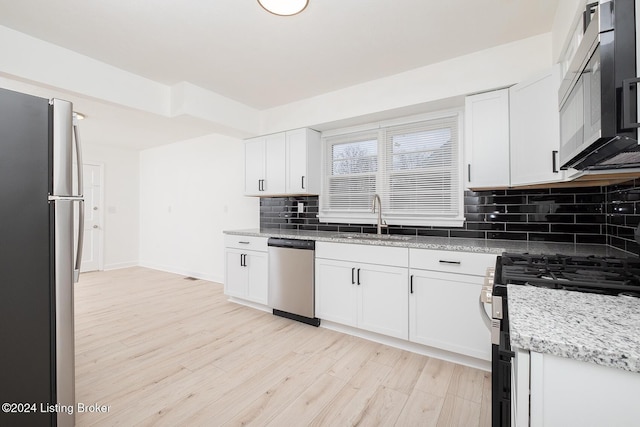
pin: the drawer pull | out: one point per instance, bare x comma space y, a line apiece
244, 243
442, 261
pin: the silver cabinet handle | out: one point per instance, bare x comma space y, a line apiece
443, 261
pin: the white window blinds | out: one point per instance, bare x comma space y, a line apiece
414, 167
351, 172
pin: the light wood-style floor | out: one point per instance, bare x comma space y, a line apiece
162, 350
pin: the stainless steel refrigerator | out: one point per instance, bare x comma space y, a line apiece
41, 231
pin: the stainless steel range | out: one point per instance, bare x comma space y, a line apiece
602, 275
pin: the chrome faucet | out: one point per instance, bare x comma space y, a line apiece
381, 223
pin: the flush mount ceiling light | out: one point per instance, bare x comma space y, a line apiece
284, 7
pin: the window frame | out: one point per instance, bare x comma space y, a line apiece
365, 216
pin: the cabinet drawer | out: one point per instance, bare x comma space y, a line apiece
246, 242
471, 263
370, 254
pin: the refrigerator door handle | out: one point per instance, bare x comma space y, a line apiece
62, 146
80, 245
78, 155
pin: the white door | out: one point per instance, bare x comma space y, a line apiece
535, 129
258, 286
457, 327
275, 153
383, 305
297, 162
92, 245
336, 291
254, 166
236, 273
487, 139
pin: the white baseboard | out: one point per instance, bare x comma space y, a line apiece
460, 359
484, 365
182, 272
250, 304
119, 265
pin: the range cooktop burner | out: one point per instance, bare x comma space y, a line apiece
604, 275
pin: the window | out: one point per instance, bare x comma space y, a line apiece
351, 182
414, 167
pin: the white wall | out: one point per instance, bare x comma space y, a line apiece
488, 69
121, 209
190, 192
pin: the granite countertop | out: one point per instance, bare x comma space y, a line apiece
440, 243
594, 328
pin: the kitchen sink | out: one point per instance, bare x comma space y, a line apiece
368, 236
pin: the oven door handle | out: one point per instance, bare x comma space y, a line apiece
483, 313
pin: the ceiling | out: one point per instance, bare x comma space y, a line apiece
235, 48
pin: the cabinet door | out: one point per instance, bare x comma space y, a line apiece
535, 129
335, 291
236, 274
254, 160
383, 300
257, 267
487, 139
297, 162
569, 392
303, 161
444, 312
275, 165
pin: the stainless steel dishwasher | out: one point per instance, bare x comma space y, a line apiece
291, 279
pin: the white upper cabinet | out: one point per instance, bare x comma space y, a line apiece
275, 164
283, 163
303, 161
534, 130
254, 165
265, 165
487, 140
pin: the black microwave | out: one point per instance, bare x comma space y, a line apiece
597, 98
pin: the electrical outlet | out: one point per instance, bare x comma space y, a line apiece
300, 207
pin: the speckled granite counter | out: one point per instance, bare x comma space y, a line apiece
600, 329
441, 243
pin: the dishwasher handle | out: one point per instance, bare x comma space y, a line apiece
278, 242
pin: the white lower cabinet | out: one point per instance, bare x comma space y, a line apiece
367, 296
335, 292
246, 270
555, 391
444, 301
382, 300
440, 309
444, 312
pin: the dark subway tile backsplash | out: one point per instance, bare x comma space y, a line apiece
604, 215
